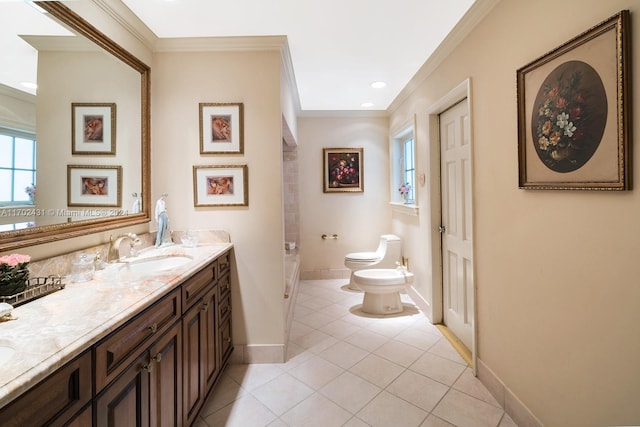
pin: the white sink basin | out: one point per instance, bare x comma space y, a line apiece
155, 264
5, 353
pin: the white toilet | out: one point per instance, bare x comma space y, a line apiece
382, 287
388, 254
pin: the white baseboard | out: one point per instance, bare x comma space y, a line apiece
513, 406
260, 353
341, 273
422, 303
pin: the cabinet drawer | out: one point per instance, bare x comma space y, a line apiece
224, 308
224, 263
195, 287
226, 344
122, 347
55, 400
224, 286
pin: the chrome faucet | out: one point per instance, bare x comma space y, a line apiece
114, 245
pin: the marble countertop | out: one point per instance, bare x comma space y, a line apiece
52, 330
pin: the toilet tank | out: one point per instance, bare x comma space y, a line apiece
390, 247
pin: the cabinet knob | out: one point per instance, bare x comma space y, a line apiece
205, 306
153, 328
229, 340
157, 358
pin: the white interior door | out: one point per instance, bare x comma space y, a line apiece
457, 244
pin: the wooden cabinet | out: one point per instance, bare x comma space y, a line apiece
118, 350
125, 402
201, 355
55, 400
224, 319
155, 370
165, 377
149, 391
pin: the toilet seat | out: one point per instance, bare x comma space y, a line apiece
362, 257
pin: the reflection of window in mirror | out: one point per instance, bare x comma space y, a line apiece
17, 167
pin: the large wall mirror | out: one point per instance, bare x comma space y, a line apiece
74, 154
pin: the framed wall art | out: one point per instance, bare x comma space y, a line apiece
342, 170
220, 185
98, 186
93, 129
221, 128
573, 113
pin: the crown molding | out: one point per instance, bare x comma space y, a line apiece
221, 44
476, 13
130, 22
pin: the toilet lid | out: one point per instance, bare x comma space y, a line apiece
362, 256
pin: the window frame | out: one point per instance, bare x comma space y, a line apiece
26, 135
399, 167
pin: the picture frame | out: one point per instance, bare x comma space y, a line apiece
343, 170
94, 186
220, 185
574, 128
93, 128
221, 128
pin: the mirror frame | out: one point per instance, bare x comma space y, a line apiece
10, 240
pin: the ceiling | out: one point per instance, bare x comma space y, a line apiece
337, 47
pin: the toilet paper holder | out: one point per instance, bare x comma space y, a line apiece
330, 236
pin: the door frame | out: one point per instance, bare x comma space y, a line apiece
457, 94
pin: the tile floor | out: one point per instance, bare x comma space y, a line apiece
346, 368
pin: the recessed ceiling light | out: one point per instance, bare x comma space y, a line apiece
378, 85
367, 104
30, 85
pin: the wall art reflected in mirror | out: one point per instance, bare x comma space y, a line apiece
80, 73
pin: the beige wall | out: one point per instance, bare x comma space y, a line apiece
70, 77
358, 218
557, 293
180, 82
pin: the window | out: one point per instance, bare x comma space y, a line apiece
409, 168
403, 167
17, 166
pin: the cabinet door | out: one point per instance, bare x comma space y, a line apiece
125, 402
166, 379
224, 315
197, 353
210, 341
226, 345
83, 419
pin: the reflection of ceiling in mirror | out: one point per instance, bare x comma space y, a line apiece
19, 59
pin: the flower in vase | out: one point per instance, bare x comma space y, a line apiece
404, 189
14, 273
31, 192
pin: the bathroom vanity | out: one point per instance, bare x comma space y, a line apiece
141, 350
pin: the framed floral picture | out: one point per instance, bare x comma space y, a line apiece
220, 185
573, 113
221, 128
94, 186
342, 170
93, 129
